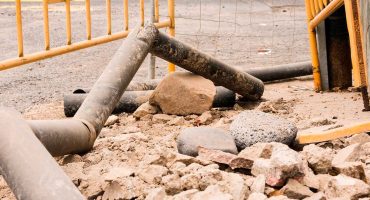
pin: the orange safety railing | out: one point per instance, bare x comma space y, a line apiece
89, 42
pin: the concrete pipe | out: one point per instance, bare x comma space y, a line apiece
221, 74
30, 171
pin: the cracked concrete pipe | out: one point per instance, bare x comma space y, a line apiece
221, 74
30, 171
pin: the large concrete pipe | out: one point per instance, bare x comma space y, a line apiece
204, 65
30, 171
131, 100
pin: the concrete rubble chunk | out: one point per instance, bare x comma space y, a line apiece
180, 100
212, 192
118, 172
316, 196
156, 194
190, 181
234, 185
294, 190
113, 191
348, 154
319, 159
251, 127
359, 138
204, 119
258, 184
248, 155
185, 195
111, 120
215, 155
351, 169
212, 138
279, 168
346, 187
172, 183
257, 196
145, 109
152, 173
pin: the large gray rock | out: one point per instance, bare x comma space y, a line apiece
251, 127
184, 93
211, 138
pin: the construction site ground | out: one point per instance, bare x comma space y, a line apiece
37, 90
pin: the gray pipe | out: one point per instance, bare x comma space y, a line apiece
110, 86
131, 100
26, 165
202, 64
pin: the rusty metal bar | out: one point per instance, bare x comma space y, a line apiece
46, 24
68, 22
19, 27
221, 74
328, 10
88, 19
109, 17
30, 171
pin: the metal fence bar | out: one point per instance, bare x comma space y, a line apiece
88, 19
46, 24
109, 17
68, 22
69, 47
19, 27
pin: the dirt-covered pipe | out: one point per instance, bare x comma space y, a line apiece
30, 171
193, 60
110, 86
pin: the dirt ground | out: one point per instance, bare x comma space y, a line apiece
37, 89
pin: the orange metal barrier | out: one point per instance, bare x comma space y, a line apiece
89, 42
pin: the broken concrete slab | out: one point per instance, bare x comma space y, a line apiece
294, 190
319, 159
212, 138
346, 187
351, 169
184, 93
251, 127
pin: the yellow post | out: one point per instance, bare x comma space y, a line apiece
19, 27
156, 10
125, 13
109, 17
46, 24
313, 48
68, 22
142, 17
171, 29
88, 20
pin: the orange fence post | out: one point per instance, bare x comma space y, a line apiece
171, 29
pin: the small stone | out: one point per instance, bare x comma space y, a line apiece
212, 138
359, 138
193, 94
316, 196
113, 191
348, 154
145, 109
118, 172
161, 118
111, 120
190, 181
205, 119
152, 173
177, 121
319, 159
215, 155
212, 192
351, 169
235, 186
257, 196
251, 127
283, 164
346, 187
258, 185
188, 194
172, 183
156, 194
294, 190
